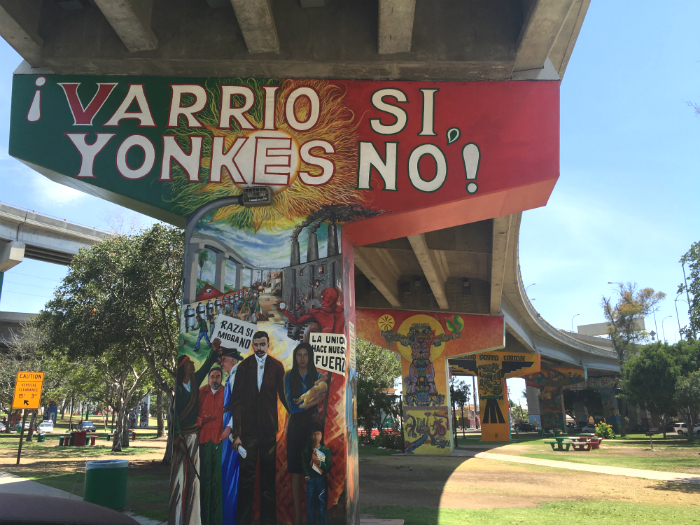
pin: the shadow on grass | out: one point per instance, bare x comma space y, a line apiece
685, 488
147, 492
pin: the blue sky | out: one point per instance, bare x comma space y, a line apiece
625, 206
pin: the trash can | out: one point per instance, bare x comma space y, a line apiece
105, 483
71, 439
80, 438
40, 438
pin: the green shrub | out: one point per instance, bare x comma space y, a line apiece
604, 430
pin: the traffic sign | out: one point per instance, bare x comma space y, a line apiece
28, 390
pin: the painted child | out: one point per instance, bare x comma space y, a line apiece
316, 462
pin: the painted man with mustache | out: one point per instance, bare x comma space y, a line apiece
259, 383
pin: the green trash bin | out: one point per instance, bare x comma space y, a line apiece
40, 438
105, 483
71, 441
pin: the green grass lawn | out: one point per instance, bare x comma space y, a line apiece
661, 463
44, 451
550, 513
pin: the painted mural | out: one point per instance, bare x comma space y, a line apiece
164, 146
261, 428
550, 381
425, 342
492, 369
339, 163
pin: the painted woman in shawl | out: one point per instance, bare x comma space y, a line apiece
297, 382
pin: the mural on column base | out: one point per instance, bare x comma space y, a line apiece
425, 341
492, 369
550, 381
261, 373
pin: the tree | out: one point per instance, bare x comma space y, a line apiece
461, 394
377, 365
692, 259
651, 376
687, 399
624, 317
202, 258
120, 304
377, 369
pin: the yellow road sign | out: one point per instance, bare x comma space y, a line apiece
28, 390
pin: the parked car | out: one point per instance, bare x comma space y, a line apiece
526, 427
682, 429
87, 426
2, 427
45, 427
671, 426
588, 429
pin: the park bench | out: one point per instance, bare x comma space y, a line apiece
581, 446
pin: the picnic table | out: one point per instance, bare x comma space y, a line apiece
593, 440
559, 442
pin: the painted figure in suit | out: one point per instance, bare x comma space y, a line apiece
229, 456
259, 383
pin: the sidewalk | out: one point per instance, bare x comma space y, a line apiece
597, 469
11, 484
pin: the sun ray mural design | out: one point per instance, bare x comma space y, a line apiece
336, 125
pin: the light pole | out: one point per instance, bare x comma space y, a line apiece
528, 286
662, 326
572, 322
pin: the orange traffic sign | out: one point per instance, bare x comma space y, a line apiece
28, 390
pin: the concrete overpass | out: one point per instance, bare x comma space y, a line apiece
471, 269
31, 235
25, 233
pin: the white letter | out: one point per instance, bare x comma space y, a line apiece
326, 164
228, 111
200, 100
143, 115
428, 112
149, 157
219, 159
399, 113
314, 111
88, 152
414, 172
270, 164
189, 163
369, 158
270, 106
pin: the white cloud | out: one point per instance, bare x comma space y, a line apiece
57, 194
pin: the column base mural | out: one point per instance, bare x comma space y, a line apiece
550, 381
425, 341
492, 369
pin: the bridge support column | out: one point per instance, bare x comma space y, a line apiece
610, 408
11, 254
239, 275
493, 409
533, 405
189, 285
550, 381
220, 272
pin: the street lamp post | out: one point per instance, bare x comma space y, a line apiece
662, 327
572, 322
528, 286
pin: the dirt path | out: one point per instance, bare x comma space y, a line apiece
471, 483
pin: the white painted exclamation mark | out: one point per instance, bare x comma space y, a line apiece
35, 109
471, 156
